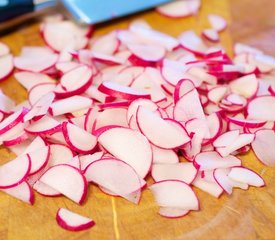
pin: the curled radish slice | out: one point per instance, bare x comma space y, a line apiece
180, 8
211, 35
15, 171
217, 22
6, 66
67, 180
169, 137
38, 91
72, 221
185, 172
264, 139
245, 175
130, 146
165, 192
111, 173
78, 139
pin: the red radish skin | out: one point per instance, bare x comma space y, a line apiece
72, 221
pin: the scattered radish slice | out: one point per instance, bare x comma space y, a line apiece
217, 22
211, 35
72, 221
6, 66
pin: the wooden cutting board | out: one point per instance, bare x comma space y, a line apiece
243, 215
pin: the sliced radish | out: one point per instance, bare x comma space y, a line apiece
171, 212
165, 192
183, 86
59, 154
123, 92
39, 159
107, 44
263, 146
169, 137
245, 175
130, 146
14, 172
246, 86
6, 104
37, 143
221, 177
4, 49
78, 139
6, 66
39, 90
216, 94
185, 172
68, 181
212, 160
22, 192
72, 221
262, 108
45, 190
161, 155
111, 173
86, 160
217, 22
211, 35
70, 104
179, 9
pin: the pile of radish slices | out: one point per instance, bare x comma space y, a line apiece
115, 109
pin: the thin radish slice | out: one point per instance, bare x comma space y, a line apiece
165, 192
169, 137
171, 212
70, 104
179, 9
211, 35
4, 49
183, 86
67, 180
39, 159
262, 108
226, 138
65, 67
246, 122
123, 92
6, 66
45, 190
130, 146
217, 22
29, 79
246, 175
191, 42
22, 192
107, 44
246, 86
161, 155
72, 221
74, 82
37, 143
94, 93
12, 120
6, 104
185, 172
14, 172
78, 139
215, 126
211, 188
212, 160
221, 177
86, 160
45, 125
112, 173
59, 154
263, 146
106, 59
216, 94
39, 90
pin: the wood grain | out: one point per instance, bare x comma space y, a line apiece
244, 215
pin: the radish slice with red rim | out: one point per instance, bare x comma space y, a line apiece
130, 146
217, 22
45, 190
67, 180
6, 66
107, 44
39, 90
39, 159
6, 104
171, 212
161, 155
211, 35
72, 221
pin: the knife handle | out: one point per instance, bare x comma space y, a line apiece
13, 8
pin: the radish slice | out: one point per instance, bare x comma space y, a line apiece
6, 104
246, 86
12, 120
72, 221
110, 174
45, 190
212, 160
217, 22
14, 172
262, 108
171, 212
179, 9
29, 79
45, 125
86, 160
221, 177
161, 155
263, 146
165, 191
211, 35
191, 42
37, 143
39, 159
123, 92
70, 104
169, 137
107, 44
245, 175
183, 86
39, 90
4, 49
216, 94
6, 66
22, 192
185, 172
78, 139
68, 181
130, 146
246, 122
59, 154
